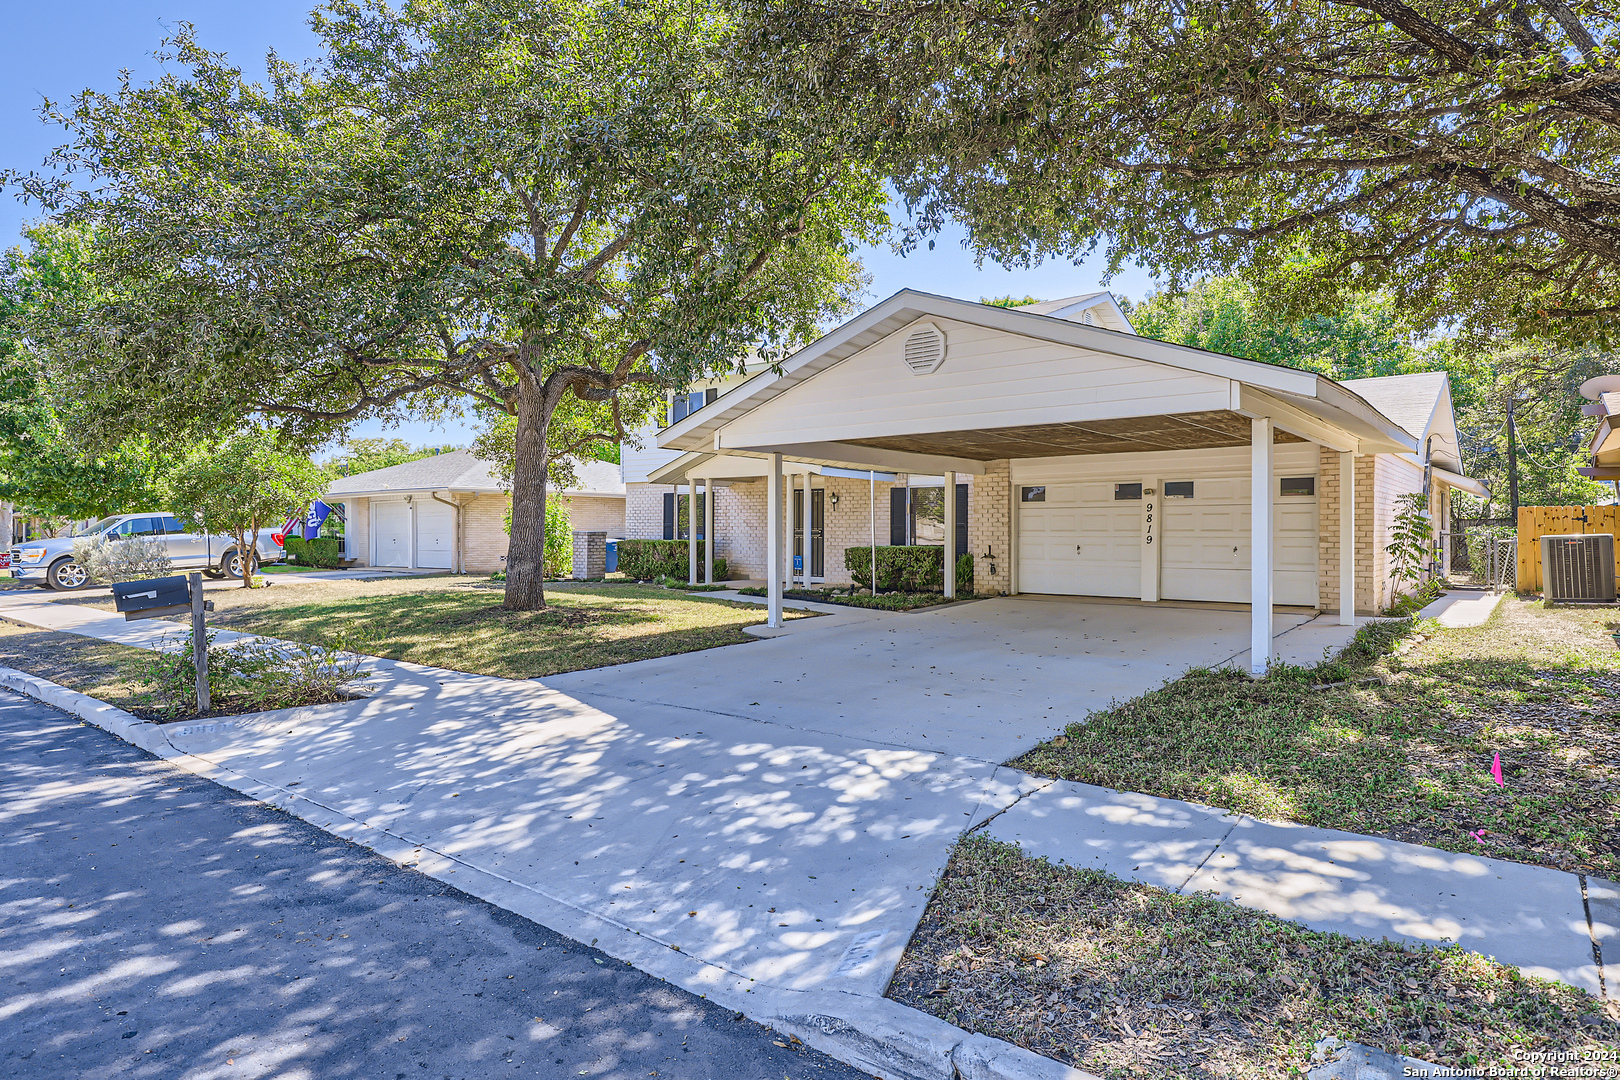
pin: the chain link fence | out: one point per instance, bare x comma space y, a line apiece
1482, 553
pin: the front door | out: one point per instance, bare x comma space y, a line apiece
818, 528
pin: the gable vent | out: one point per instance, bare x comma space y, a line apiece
1087, 319
925, 349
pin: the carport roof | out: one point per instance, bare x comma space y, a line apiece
1302, 394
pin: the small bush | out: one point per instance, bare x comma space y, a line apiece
654, 560
894, 601
247, 676
133, 558
912, 568
321, 551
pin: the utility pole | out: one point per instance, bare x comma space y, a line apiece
1513, 463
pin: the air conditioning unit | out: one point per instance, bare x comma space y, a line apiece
1578, 569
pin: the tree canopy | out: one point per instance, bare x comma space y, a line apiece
244, 484
43, 469
1465, 157
1362, 338
515, 202
365, 455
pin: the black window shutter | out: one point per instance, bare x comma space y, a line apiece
669, 515
961, 520
897, 516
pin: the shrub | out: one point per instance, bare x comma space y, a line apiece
911, 568
654, 560
249, 675
557, 552
133, 558
321, 551
893, 601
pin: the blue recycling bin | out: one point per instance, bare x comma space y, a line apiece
612, 556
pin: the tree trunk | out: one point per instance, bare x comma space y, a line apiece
526, 552
247, 545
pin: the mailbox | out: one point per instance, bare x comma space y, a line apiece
163, 592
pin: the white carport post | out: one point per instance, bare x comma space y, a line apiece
1259, 545
1347, 539
773, 542
708, 531
805, 542
950, 536
691, 530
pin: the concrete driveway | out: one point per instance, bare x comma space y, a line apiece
982, 680
776, 810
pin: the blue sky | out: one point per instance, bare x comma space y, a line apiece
57, 50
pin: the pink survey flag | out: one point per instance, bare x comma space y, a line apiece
1496, 769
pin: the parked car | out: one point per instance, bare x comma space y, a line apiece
51, 561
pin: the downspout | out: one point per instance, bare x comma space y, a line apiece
1428, 497
456, 566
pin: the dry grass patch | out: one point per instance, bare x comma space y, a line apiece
1127, 980
1403, 749
458, 623
96, 668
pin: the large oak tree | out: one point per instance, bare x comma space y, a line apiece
509, 203
1464, 154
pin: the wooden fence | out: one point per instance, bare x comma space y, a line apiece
1538, 521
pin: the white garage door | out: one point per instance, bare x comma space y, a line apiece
1206, 544
391, 533
1079, 540
435, 533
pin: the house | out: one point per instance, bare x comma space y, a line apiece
448, 511
1067, 454
1603, 402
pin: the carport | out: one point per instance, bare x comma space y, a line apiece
1077, 433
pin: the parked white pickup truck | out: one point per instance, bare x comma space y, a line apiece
51, 561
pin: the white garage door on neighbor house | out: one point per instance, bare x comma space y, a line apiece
391, 532
435, 534
1083, 524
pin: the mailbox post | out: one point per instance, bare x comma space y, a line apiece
176, 595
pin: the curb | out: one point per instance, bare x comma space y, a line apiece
889, 1040
127, 726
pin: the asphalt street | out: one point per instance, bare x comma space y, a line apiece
154, 924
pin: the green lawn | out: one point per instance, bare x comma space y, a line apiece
1404, 750
1123, 979
458, 623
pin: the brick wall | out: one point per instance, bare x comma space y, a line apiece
644, 511
483, 533
1380, 480
990, 527
587, 514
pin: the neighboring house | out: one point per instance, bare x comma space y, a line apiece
1603, 394
448, 512
1060, 432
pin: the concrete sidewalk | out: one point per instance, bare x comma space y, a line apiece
1544, 921
1463, 607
